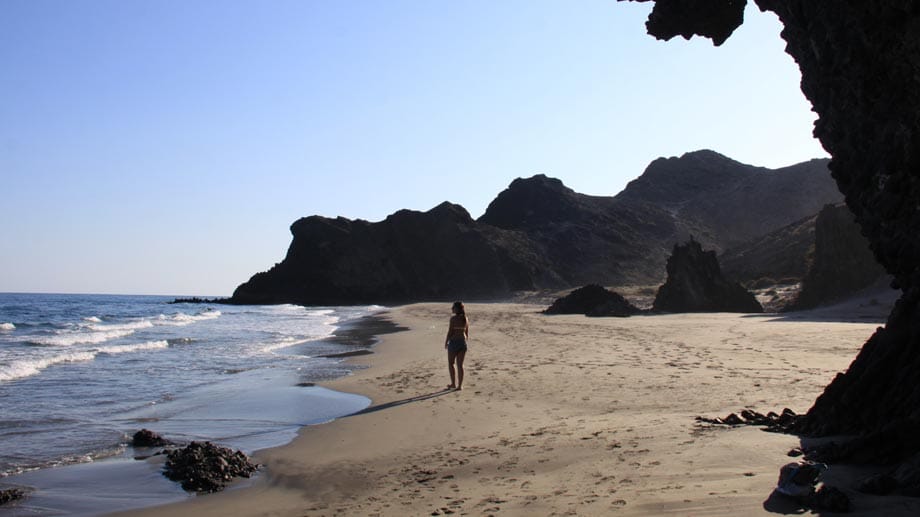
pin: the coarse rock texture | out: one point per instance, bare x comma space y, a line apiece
539, 234
592, 300
860, 64
205, 467
695, 284
148, 438
842, 263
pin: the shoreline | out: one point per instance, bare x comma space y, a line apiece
119, 482
559, 415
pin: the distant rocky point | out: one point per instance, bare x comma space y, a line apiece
196, 299
539, 234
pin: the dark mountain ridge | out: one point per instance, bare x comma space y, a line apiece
539, 234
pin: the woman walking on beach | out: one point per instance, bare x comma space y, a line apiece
458, 331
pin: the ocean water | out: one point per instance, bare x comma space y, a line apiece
79, 374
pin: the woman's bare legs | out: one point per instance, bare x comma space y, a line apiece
451, 357
460, 355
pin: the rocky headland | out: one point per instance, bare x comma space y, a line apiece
539, 234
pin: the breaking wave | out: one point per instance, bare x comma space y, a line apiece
21, 368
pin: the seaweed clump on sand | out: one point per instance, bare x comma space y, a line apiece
860, 64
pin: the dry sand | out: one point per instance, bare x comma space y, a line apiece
561, 415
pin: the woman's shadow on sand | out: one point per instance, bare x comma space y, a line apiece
395, 403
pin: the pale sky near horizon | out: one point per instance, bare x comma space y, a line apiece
165, 146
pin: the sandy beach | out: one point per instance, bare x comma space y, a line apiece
562, 415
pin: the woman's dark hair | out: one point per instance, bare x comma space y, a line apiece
458, 308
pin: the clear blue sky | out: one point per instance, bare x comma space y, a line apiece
165, 146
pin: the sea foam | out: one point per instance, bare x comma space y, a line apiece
71, 337
139, 347
7, 326
27, 367
181, 319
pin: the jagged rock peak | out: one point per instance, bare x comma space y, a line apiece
447, 211
676, 179
695, 284
535, 200
706, 157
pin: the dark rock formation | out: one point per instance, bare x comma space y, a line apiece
859, 64
592, 300
584, 238
695, 284
724, 203
539, 234
199, 300
148, 438
780, 257
205, 467
8, 495
774, 422
435, 255
715, 19
842, 264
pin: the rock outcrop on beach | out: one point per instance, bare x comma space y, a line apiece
859, 64
539, 234
695, 284
205, 467
593, 300
842, 263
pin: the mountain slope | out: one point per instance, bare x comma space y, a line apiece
540, 234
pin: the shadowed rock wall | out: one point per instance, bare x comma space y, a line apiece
843, 263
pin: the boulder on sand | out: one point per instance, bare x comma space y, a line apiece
592, 300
